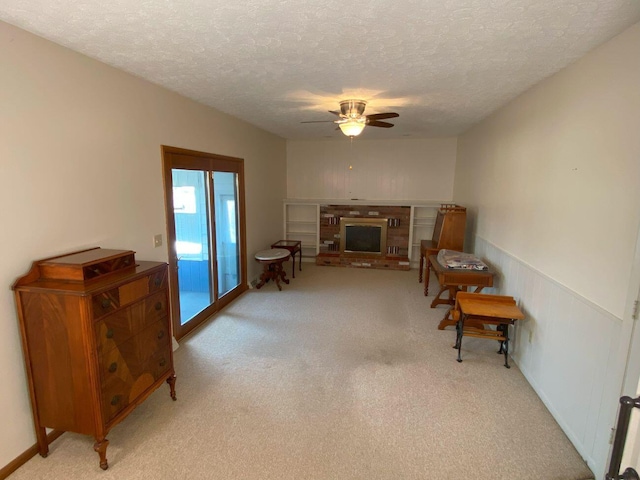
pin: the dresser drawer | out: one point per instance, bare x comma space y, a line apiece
116, 370
160, 363
139, 348
118, 391
156, 306
119, 326
131, 356
113, 329
106, 302
158, 280
131, 368
116, 383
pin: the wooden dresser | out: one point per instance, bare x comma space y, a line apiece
96, 337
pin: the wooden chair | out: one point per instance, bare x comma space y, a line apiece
448, 232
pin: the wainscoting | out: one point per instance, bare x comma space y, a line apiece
566, 348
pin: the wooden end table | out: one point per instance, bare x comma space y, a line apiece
272, 261
498, 310
456, 280
294, 246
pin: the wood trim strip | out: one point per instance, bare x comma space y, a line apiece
27, 455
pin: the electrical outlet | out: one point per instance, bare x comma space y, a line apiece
157, 240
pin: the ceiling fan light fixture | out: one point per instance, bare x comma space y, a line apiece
352, 127
352, 108
352, 119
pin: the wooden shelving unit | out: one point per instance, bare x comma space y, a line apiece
301, 222
423, 219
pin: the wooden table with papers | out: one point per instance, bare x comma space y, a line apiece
455, 280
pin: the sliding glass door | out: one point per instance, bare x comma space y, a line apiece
205, 217
226, 215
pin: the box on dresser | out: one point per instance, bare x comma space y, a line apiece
96, 337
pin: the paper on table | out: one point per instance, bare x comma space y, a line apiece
460, 260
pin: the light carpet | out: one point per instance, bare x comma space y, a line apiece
341, 375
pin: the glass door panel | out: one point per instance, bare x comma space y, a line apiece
191, 216
204, 200
226, 230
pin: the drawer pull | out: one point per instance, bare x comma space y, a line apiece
157, 282
106, 303
159, 306
110, 333
160, 334
115, 400
113, 367
163, 362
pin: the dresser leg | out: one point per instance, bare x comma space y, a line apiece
172, 386
43, 444
101, 448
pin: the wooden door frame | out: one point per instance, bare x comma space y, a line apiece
174, 157
630, 338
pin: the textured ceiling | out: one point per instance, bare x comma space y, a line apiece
443, 65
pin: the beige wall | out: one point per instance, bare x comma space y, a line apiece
411, 169
80, 166
552, 182
554, 177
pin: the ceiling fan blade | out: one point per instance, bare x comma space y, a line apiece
375, 123
335, 112
381, 116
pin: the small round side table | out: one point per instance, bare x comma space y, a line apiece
272, 260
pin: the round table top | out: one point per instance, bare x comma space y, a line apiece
272, 254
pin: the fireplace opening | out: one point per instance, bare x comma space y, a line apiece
363, 235
362, 238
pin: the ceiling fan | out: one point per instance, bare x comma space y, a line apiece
353, 120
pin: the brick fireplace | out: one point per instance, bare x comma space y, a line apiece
390, 222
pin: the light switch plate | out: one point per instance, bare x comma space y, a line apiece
157, 240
